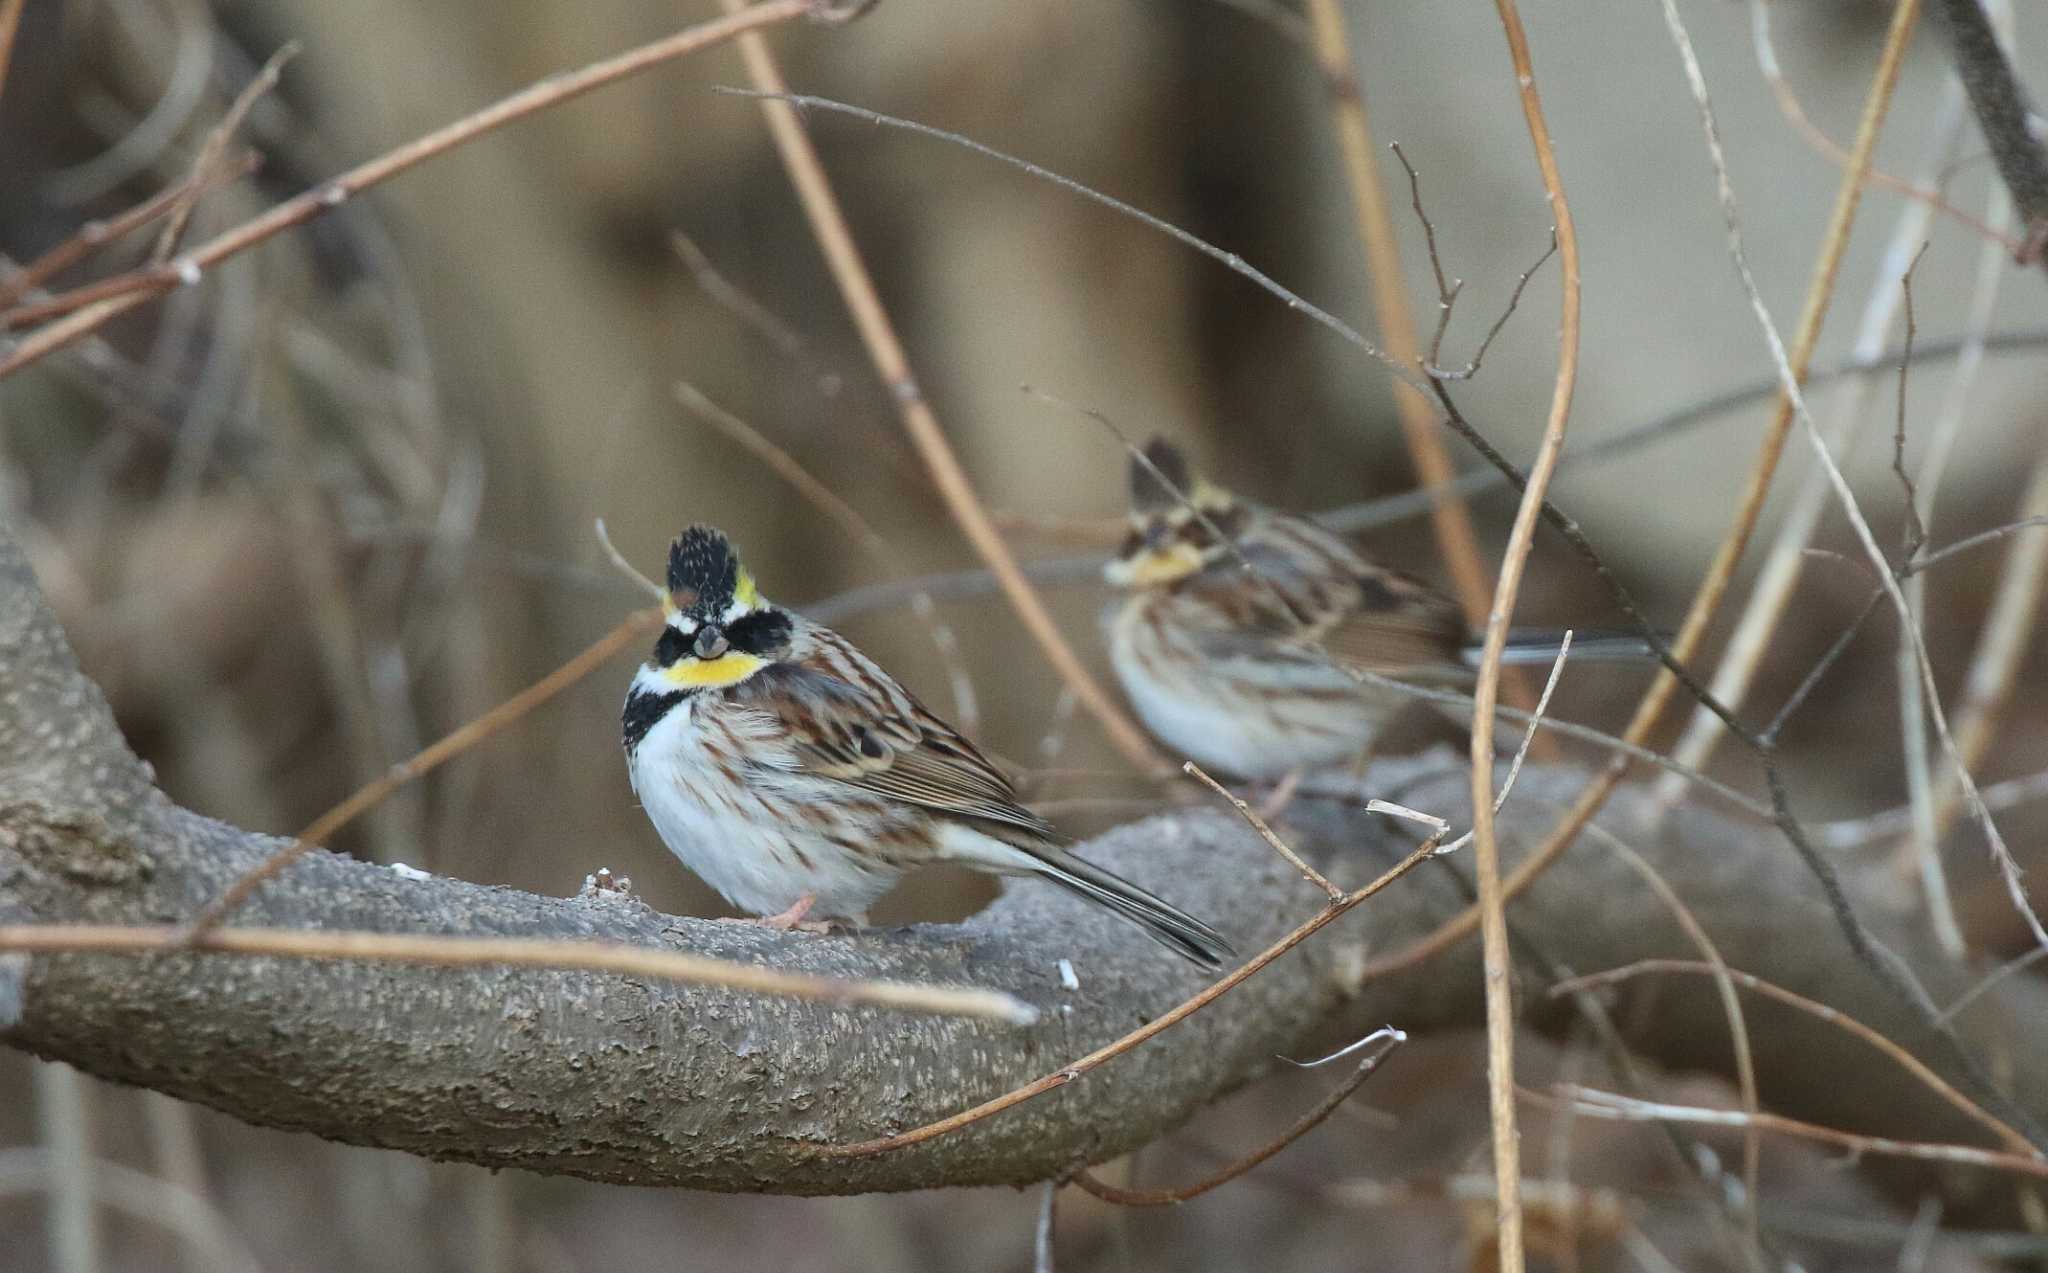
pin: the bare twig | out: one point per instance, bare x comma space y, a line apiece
1596, 1104
1534, 720
1820, 290
1500, 1023
1820, 1011
625, 566
465, 952
1230, 260
1731, 1006
637, 626
1391, 1040
1386, 510
749, 311
1921, 849
892, 365
1457, 543
2002, 645
1707, 599
94, 235
1258, 824
2001, 854
1929, 195
215, 146
1158, 1025
1916, 529
1785, 562
333, 193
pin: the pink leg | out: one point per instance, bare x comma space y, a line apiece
791, 918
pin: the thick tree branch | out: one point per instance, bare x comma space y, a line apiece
623, 1079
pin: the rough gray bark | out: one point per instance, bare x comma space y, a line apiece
617, 1079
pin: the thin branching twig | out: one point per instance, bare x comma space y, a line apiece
1822, 1012
1389, 1039
1597, 1104
336, 191
1457, 542
1731, 1007
1069, 1073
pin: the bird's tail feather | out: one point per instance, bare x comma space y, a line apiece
1176, 930
1540, 645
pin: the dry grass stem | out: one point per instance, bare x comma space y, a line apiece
1535, 720
469, 952
1498, 963
892, 365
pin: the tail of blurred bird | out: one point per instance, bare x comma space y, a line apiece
1540, 646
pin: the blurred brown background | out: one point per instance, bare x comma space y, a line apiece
337, 498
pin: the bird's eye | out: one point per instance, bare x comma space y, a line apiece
711, 641
672, 646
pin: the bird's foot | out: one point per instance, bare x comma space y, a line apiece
791, 920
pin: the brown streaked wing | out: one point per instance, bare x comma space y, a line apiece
1357, 614
854, 732
1396, 625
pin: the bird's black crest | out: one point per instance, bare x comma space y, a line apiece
703, 570
1147, 494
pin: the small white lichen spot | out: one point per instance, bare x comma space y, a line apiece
187, 271
1067, 977
404, 872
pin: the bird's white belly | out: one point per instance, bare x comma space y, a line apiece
750, 842
1214, 714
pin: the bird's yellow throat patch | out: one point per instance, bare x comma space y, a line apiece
1162, 566
729, 668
